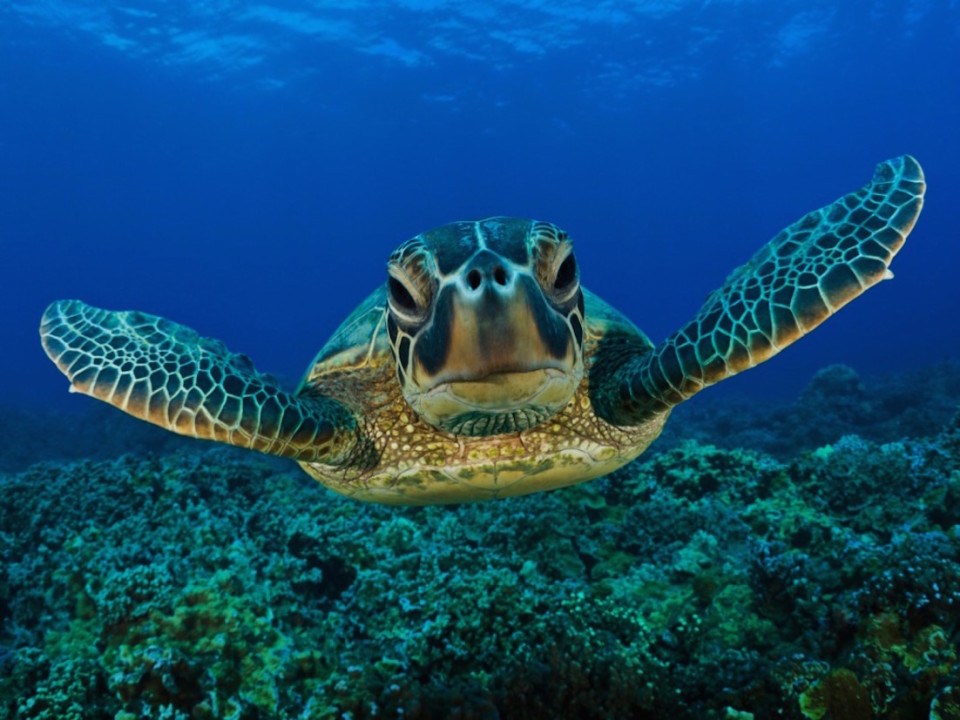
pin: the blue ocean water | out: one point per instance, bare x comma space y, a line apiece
247, 168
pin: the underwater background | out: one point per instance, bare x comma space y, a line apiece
789, 548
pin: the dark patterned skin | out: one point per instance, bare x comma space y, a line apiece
352, 424
163, 372
795, 282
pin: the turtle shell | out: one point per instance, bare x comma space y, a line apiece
359, 337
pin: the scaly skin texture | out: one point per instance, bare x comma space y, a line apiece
166, 374
795, 282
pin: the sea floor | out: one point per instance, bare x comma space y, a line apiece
799, 560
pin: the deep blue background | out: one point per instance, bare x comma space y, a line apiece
246, 170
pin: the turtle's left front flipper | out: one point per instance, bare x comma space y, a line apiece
794, 283
166, 374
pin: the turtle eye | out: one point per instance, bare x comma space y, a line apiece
401, 296
566, 274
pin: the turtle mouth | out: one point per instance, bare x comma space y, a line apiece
501, 401
504, 389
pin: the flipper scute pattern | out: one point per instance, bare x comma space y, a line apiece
165, 373
795, 282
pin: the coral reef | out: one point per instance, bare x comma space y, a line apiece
700, 582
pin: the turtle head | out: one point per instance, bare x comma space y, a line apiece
486, 324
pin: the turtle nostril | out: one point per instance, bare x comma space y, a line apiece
474, 279
500, 275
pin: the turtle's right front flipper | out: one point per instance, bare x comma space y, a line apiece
166, 374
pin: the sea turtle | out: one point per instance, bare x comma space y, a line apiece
481, 368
